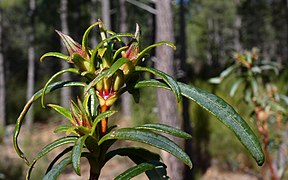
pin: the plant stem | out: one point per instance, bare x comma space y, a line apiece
264, 133
104, 122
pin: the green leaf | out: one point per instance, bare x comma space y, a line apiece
76, 154
165, 129
36, 96
228, 71
58, 169
147, 49
135, 171
55, 54
101, 116
62, 129
107, 40
96, 80
222, 111
63, 111
229, 117
168, 79
215, 80
72, 70
140, 155
235, 86
115, 66
150, 138
50, 147
60, 155
118, 52
85, 36
137, 155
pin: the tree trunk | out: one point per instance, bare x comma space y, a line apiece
65, 92
2, 76
106, 13
236, 29
92, 21
31, 61
126, 97
185, 103
166, 100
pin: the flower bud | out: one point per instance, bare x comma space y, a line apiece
118, 80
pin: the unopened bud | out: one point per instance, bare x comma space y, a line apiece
118, 80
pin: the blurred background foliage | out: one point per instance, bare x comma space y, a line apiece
214, 31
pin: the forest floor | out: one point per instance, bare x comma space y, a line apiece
32, 142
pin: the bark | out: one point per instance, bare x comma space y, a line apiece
185, 103
31, 61
92, 21
237, 27
126, 97
166, 100
2, 76
106, 13
65, 92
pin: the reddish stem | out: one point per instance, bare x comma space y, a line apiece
104, 122
264, 133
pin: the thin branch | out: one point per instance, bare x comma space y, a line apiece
143, 6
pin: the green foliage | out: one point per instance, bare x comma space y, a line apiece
109, 70
256, 80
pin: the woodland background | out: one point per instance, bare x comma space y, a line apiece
206, 33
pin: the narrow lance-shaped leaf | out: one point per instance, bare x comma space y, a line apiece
168, 79
108, 39
147, 49
96, 80
150, 138
85, 36
60, 155
101, 116
72, 70
76, 154
63, 111
116, 66
36, 96
55, 54
135, 171
165, 129
140, 155
48, 148
235, 86
222, 111
58, 169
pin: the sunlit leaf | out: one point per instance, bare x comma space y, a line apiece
141, 155
63, 111
147, 49
85, 36
115, 66
228, 71
165, 129
50, 147
72, 70
168, 79
101, 116
58, 169
76, 154
55, 54
150, 138
235, 86
95, 50
96, 80
36, 96
215, 80
135, 171
222, 111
